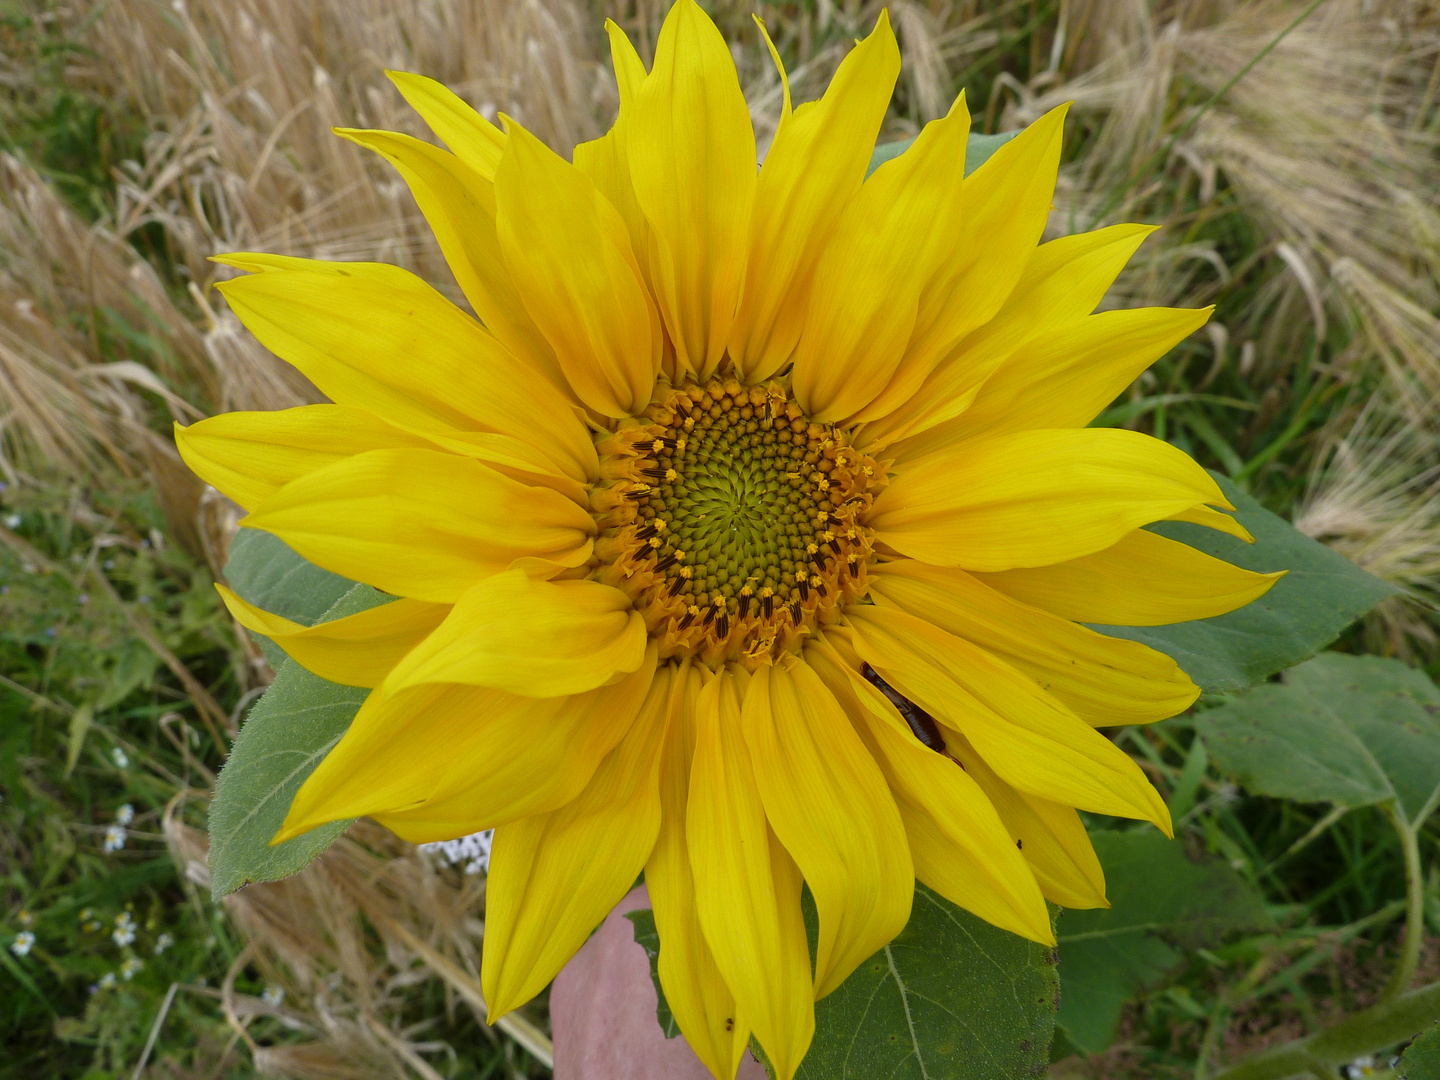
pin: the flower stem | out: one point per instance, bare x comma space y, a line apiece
1375, 1028
1414, 907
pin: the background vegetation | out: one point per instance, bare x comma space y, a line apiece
1289, 150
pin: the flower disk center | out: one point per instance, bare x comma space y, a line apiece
732, 520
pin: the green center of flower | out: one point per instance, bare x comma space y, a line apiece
733, 519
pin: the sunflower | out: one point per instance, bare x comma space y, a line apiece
744, 539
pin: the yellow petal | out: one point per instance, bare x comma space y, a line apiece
1064, 280
1064, 376
1143, 580
459, 205
747, 888
1105, 680
694, 988
606, 159
814, 166
457, 378
249, 456
421, 523
569, 253
1214, 519
692, 161
442, 761
1006, 203
890, 241
358, 650
473, 139
539, 638
828, 803
1026, 735
555, 876
961, 849
1050, 835
1036, 497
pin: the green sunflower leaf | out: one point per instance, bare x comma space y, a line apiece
951, 998
1351, 730
977, 151
648, 938
289, 730
1421, 1059
272, 575
1159, 899
1306, 610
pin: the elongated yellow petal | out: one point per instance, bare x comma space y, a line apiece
478, 789
606, 160
1064, 280
251, 455
555, 876
1213, 519
474, 140
358, 650
747, 887
422, 523
694, 988
1065, 376
1143, 580
903, 223
828, 803
692, 161
815, 164
460, 380
459, 204
1026, 735
960, 848
477, 758
1105, 680
569, 253
539, 638
1036, 497
1050, 835
1006, 203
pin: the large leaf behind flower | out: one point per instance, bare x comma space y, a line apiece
289, 730
1306, 610
951, 998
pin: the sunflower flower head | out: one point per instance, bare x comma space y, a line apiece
743, 535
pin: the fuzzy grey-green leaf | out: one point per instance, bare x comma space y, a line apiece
1322, 594
272, 575
288, 732
1353, 730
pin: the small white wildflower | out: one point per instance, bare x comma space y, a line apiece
124, 932
22, 944
125, 815
12, 521
473, 851
130, 967
114, 838
273, 996
106, 981
120, 758
163, 942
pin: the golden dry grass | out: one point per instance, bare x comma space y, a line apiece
1327, 148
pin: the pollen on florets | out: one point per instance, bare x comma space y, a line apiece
732, 519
